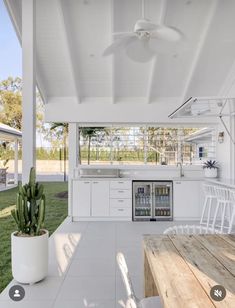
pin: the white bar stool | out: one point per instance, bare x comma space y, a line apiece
210, 198
189, 229
224, 206
232, 210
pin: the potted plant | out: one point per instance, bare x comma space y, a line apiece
29, 244
210, 168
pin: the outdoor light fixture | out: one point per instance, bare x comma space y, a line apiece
221, 137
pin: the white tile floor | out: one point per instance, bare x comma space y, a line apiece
82, 265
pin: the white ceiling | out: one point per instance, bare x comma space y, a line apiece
71, 36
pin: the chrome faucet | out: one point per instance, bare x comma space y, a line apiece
181, 169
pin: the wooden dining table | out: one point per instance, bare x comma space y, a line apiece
182, 269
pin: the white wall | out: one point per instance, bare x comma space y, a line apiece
67, 110
224, 152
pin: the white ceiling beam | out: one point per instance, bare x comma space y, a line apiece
199, 49
151, 79
162, 15
69, 45
15, 18
229, 82
40, 83
113, 90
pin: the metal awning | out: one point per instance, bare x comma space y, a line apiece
203, 107
8, 133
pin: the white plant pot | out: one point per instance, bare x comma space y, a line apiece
29, 257
210, 173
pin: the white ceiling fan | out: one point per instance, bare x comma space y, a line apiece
146, 40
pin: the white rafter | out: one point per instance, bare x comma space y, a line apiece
154, 60
199, 49
70, 50
229, 82
113, 94
15, 18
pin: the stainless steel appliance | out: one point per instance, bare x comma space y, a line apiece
99, 173
152, 200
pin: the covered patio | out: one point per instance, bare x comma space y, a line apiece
12, 136
112, 206
83, 271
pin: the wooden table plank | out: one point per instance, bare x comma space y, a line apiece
208, 270
230, 238
149, 283
176, 284
220, 249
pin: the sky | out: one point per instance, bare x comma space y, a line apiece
10, 49
11, 55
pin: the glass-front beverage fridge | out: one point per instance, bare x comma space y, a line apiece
152, 200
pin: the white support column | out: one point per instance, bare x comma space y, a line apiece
232, 145
29, 97
73, 160
16, 162
145, 145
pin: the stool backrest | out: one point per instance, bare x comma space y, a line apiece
232, 204
209, 189
189, 229
222, 193
125, 277
130, 303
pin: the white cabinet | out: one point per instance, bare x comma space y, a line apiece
120, 193
95, 199
81, 198
123, 184
121, 199
121, 212
90, 198
100, 198
187, 199
124, 203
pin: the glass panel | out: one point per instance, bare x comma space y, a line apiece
162, 200
139, 145
142, 199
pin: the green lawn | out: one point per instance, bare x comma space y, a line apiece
56, 212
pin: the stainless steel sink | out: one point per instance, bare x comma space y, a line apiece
99, 173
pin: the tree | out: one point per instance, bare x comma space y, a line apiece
88, 133
11, 102
62, 129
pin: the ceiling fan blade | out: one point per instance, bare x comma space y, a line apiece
167, 33
166, 47
145, 24
139, 51
122, 34
118, 43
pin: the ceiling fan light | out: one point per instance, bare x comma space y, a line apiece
139, 51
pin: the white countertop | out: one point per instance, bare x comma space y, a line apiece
140, 167
140, 179
222, 181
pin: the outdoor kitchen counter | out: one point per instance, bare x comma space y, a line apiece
223, 182
140, 178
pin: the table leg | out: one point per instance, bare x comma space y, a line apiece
150, 288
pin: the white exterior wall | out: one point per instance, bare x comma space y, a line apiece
67, 110
224, 152
29, 87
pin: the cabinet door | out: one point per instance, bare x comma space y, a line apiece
100, 198
186, 199
81, 198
